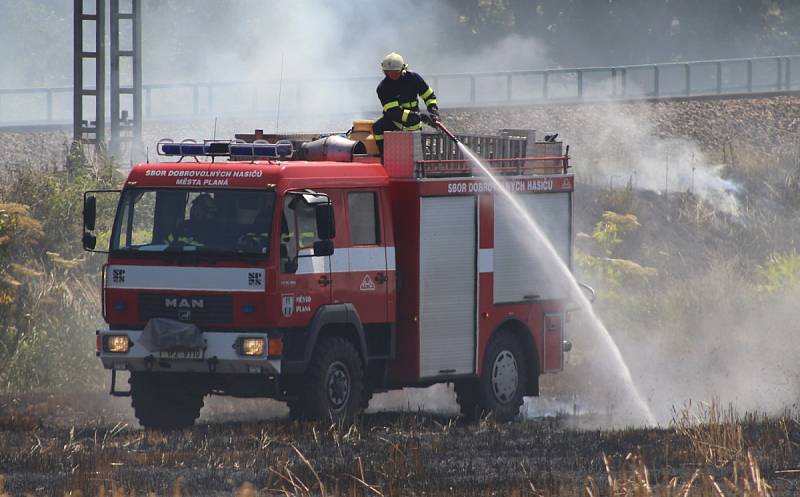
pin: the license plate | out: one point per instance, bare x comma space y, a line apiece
192, 355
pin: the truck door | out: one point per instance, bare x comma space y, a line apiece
366, 282
304, 279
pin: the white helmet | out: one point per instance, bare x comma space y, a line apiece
393, 62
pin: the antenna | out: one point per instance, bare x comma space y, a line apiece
280, 90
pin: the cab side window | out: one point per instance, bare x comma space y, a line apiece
298, 228
363, 213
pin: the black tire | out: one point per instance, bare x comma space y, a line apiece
332, 388
165, 401
500, 389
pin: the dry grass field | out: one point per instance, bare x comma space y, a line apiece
705, 451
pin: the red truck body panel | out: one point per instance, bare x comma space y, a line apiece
355, 273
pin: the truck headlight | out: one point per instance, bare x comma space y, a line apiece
117, 344
252, 346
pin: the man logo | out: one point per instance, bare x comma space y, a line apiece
184, 315
288, 304
183, 303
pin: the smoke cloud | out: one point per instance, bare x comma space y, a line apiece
623, 146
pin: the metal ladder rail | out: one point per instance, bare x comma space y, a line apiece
84, 130
126, 124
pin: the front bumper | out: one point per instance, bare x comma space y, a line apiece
219, 356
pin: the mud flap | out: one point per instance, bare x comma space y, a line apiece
114, 392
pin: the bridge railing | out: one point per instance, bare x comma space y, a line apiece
329, 96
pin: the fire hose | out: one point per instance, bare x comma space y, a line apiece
445, 131
435, 123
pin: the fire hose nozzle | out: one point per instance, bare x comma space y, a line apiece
446, 131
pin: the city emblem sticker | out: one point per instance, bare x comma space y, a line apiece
287, 300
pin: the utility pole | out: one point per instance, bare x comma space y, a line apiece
86, 130
125, 116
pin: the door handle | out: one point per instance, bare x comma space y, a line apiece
325, 281
381, 278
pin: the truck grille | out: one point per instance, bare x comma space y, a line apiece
200, 309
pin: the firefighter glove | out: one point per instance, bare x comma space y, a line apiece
427, 119
433, 110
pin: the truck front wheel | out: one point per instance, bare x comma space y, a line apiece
333, 386
500, 388
165, 401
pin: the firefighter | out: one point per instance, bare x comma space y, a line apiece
201, 223
398, 94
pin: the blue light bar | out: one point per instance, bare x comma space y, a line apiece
261, 150
258, 150
183, 148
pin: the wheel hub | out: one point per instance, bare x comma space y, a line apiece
505, 377
338, 385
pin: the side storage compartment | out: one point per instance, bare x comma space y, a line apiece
447, 259
522, 267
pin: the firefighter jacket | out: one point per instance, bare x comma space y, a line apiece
399, 99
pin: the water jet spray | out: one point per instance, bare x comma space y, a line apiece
564, 271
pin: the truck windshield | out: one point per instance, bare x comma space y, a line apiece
197, 221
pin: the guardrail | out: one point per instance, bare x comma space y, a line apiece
329, 96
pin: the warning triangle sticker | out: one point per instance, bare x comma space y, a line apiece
367, 284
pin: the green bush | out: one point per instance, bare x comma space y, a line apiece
49, 298
781, 272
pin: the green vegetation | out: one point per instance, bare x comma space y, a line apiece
781, 272
48, 285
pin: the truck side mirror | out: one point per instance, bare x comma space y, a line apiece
91, 231
89, 241
89, 212
326, 224
323, 247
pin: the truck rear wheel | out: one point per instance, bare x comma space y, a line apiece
333, 386
165, 401
499, 390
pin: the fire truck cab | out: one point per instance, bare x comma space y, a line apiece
305, 272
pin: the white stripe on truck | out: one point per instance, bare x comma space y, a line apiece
346, 260
219, 279
228, 279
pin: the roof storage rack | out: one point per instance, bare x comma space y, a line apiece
512, 152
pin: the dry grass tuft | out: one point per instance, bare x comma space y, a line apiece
633, 479
247, 489
179, 487
715, 437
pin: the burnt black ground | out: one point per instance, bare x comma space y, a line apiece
400, 453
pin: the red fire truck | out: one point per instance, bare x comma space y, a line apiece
309, 272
